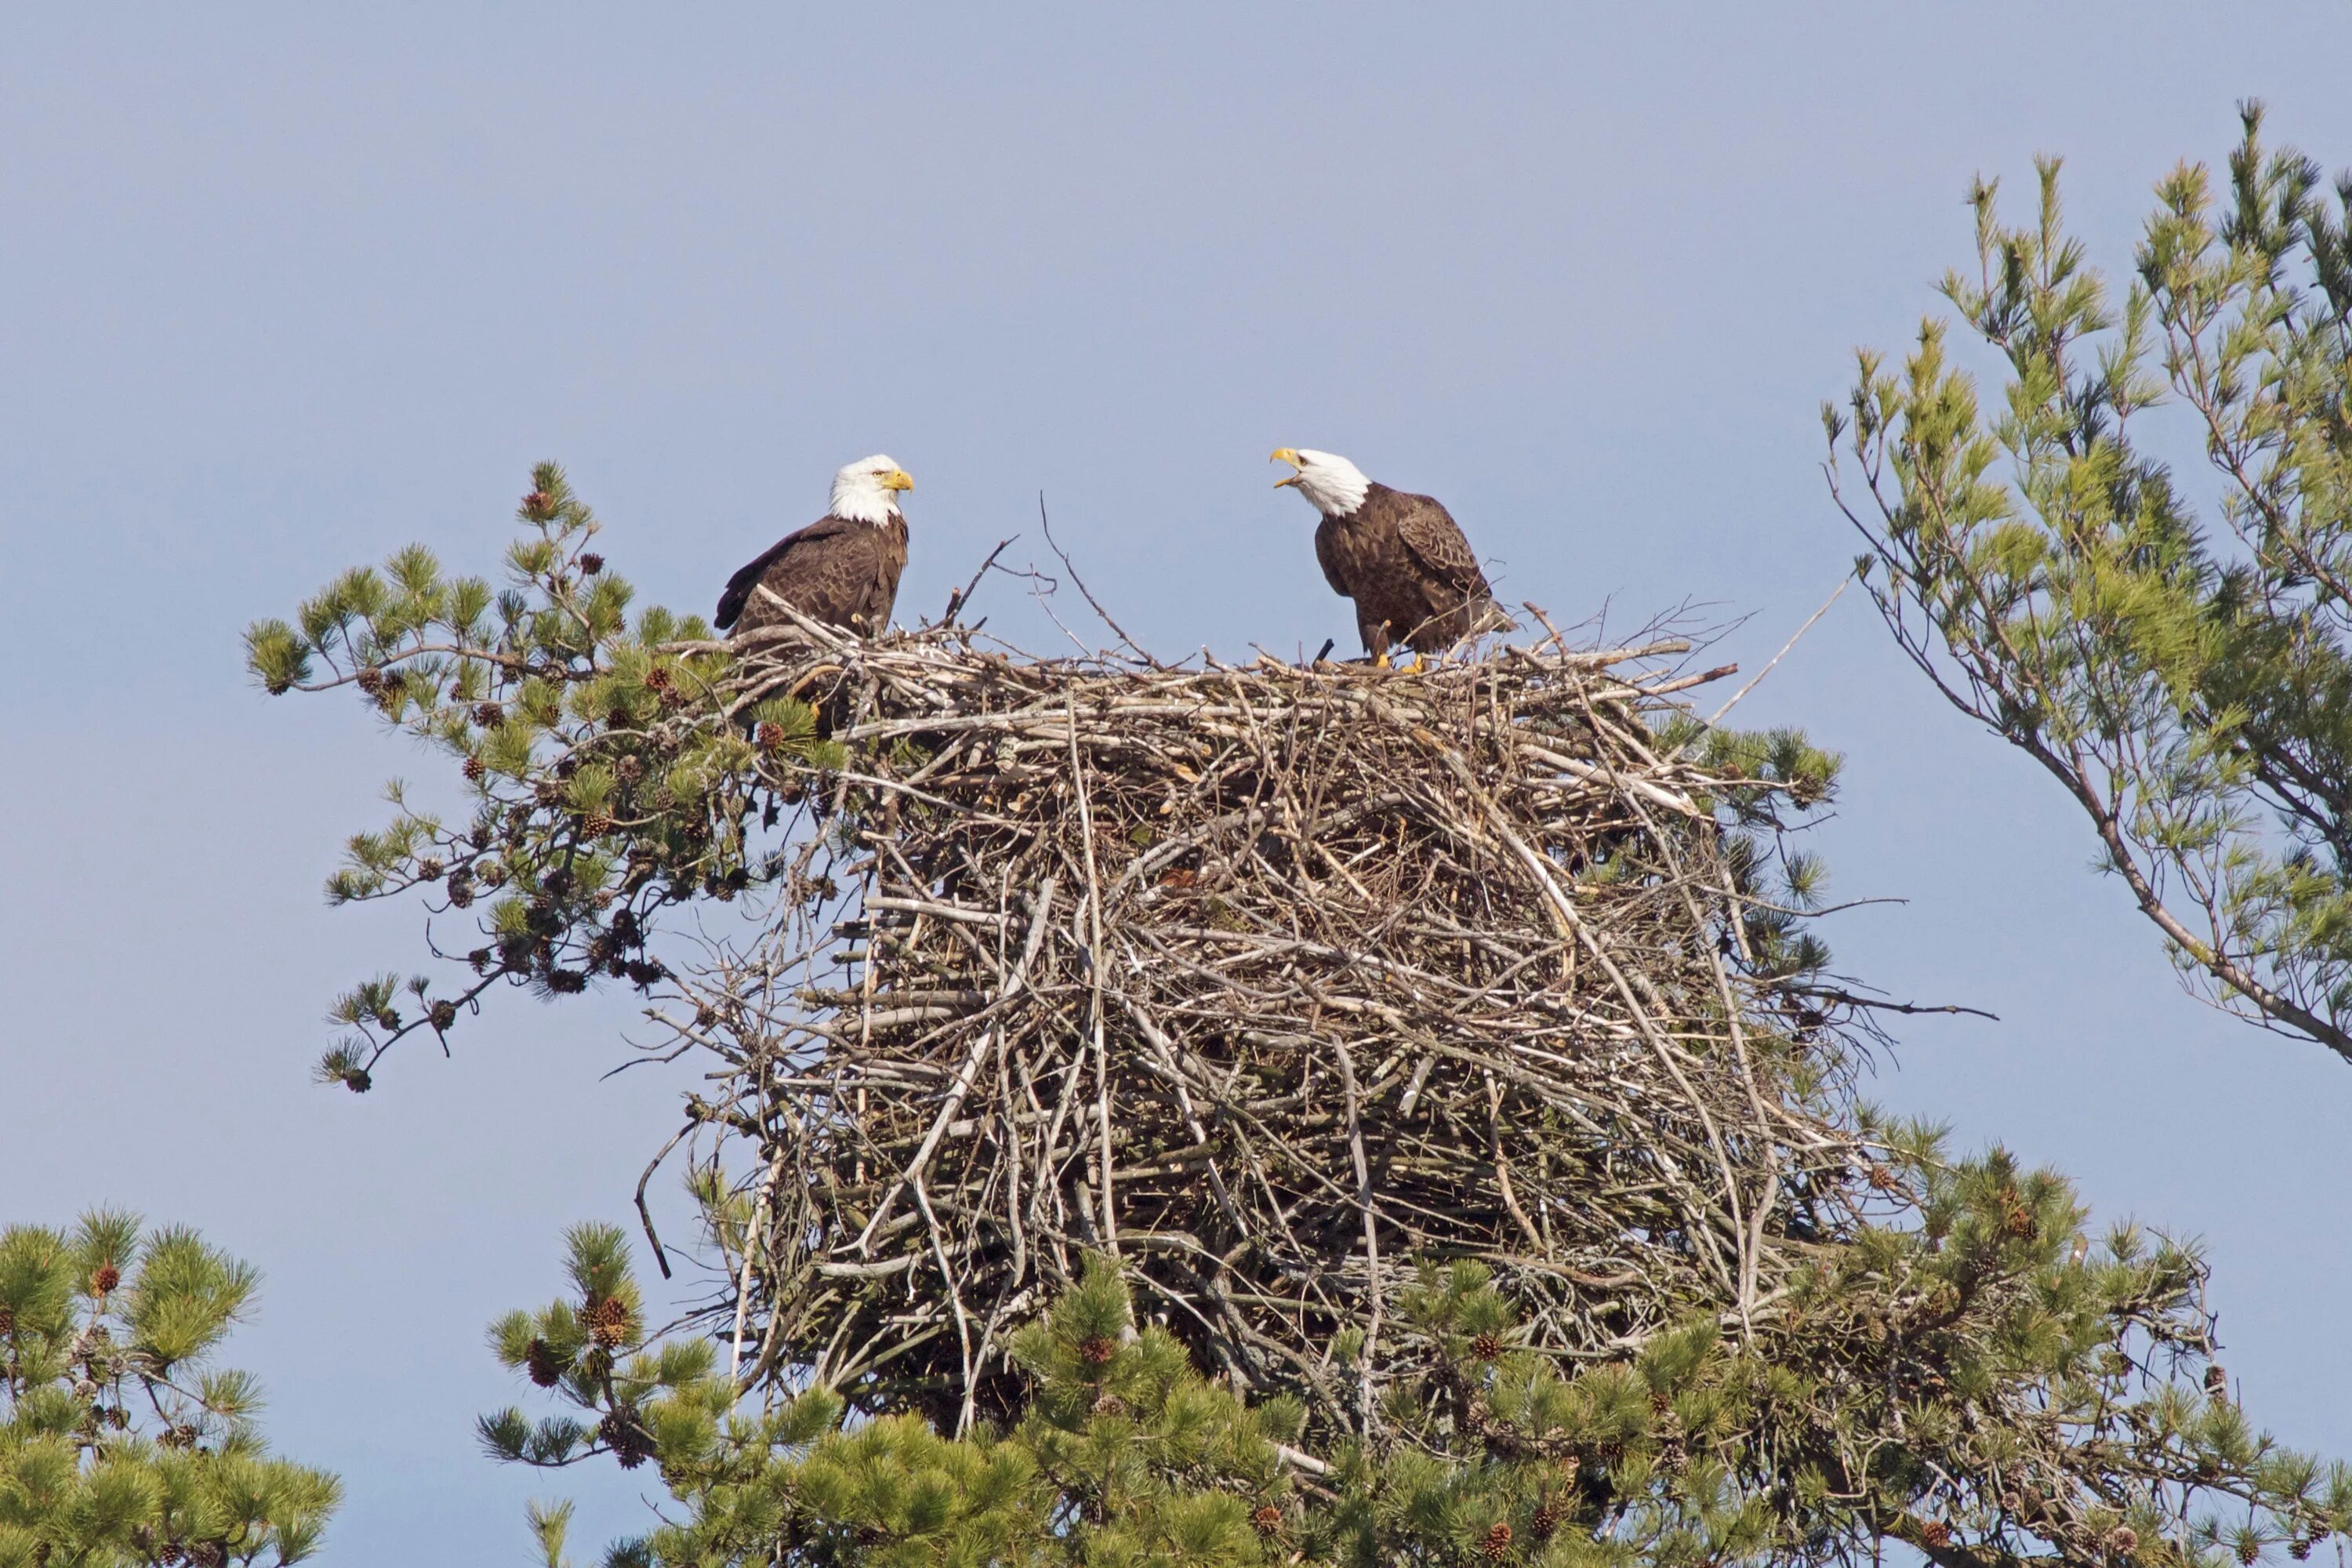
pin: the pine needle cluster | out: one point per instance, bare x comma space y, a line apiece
602, 774
120, 1443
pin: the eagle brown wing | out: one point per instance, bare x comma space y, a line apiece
833, 571
1439, 545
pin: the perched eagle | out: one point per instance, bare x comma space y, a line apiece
1400, 557
842, 569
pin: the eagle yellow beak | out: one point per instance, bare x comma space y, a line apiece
1285, 455
896, 479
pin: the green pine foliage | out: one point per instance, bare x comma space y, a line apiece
1967, 1374
1977, 1383
120, 1443
2186, 679
598, 777
1126, 1449
1779, 885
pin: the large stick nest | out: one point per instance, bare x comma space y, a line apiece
1272, 982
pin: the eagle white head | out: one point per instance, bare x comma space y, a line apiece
1335, 485
868, 490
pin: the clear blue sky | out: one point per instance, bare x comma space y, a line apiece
281, 288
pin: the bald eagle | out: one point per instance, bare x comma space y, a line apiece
842, 570
1401, 558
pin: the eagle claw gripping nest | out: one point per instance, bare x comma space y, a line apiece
1273, 981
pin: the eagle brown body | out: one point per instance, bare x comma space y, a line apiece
837, 571
1405, 562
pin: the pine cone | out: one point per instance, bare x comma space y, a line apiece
1267, 1518
1111, 1405
1548, 1515
609, 1320
545, 1367
357, 1080
1097, 1351
1886, 1178
539, 506
769, 736
461, 892
596, 824
2299, 1548
2216, 1381
1936, 1532
2121, 1541
104, 1279
2019, 1221
489, 715
591, 563
370, 681
631, 1444
2248, 1548
657, 679
566, 982
629, 770
7, 1319
443, 1014
1497, 1543
474, 769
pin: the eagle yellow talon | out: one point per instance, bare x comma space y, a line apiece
1380, 661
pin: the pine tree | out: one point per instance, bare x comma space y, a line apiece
1937, 1358
118, 1442
2001, 1377
2188, 683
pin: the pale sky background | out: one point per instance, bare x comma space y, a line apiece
282, 289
